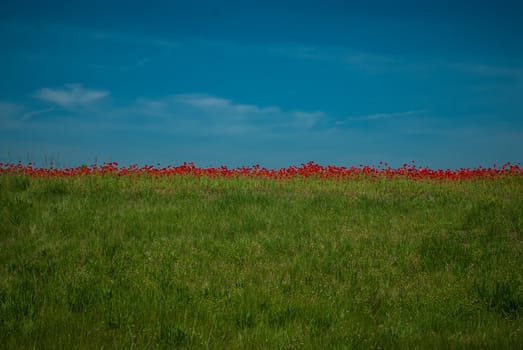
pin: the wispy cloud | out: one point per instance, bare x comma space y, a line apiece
489, 70
393, 115
371, 62
134, 39
379, 62
204, 101
358, 59
12, 114
308, 119
304, 52
378, 116
30, 115
74, 95
211, 102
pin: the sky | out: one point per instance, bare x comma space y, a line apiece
274, 83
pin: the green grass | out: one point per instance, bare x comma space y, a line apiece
183, 262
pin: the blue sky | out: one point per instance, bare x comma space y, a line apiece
274, 83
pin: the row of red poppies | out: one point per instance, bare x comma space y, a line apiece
310, 169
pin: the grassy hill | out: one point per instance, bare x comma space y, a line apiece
193, 262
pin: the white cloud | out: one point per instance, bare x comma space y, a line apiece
208, 114
74, 95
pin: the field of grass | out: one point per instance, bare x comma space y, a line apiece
192, 262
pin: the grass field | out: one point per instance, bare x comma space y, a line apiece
192, 262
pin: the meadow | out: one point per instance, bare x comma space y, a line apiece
145, 259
